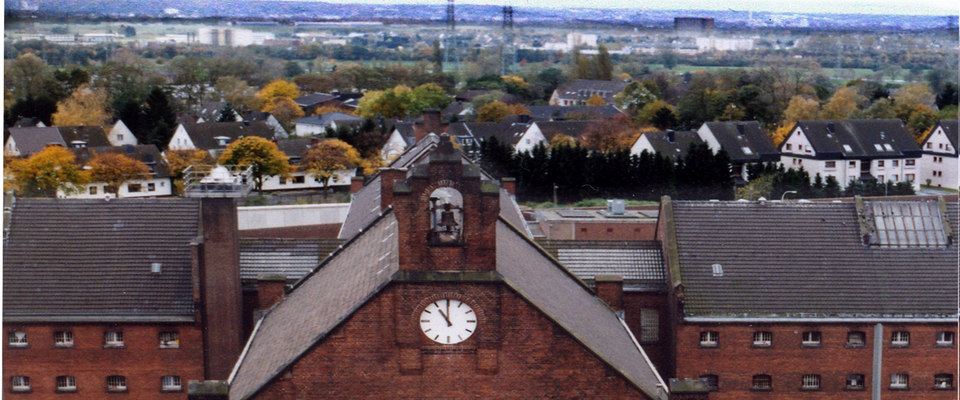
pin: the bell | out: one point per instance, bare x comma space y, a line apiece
447, 221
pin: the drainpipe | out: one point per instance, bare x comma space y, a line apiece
877, 362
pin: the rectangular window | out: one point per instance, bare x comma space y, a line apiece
63, 339
20, 384
119, 137
910, 177
910, 162
762, 382
283, 181
856, 339
880, 163
880, 179
151, 187
855, 381
810, 382
811, 338
929, 145
896, 177
113, 339
945, 338
830, 164
649, 325
170, 383
789, 146
943, 381
900, 338
134, 187
712, 381
762, 339
298, 179
709, 339
19, 339
896, 163
940, 146
899, 381
852, 164
169, 340
116, 383
66, 384
93, 190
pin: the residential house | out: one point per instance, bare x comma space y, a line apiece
27, 141
318, 124
300, 179
542, 132
211, 111
578, 92
405, 134
440, 293
673, 144
312, 102
745, 142
254, 116
799, 299
120, 135
939, 162
401, 137
156, 184
214, 137
557, 113
848, 150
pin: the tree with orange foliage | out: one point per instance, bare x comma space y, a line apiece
596, 100
285, 111
180, 160
325, 160
45, 173
493, 112
259, 153
115, 169
85, 106
610, 134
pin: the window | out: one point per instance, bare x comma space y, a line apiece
852, 164
896, 163
944, 338
169, 340
943, 381
909, 162
855, 381
19, 339
762, 382
170, 383
20, 383
929, 145
63, 339
134, 187
856, 339
93, 190
113, 339
899, 381
151, 187
649, 325
66, 384
910, 177
762, 339
789, 146
283, 181
847, 148
709, 339
712, 381
900, 338
940, 146
896, 177
119, 137
116, 383
298, 179
810, 382
830, 164
880, 179
880, 163
878, 147
811, 338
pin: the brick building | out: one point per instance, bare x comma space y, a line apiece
129, 296
440, 292
793, 300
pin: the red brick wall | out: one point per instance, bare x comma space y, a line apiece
658, 352
736, 360
580, 230
516, 352
141, 360
220, 286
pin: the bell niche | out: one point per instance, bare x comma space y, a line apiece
446, 217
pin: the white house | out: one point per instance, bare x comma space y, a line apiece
214, 137
120, 135
294, 149
544, 131
853, 149
157, 184
939, 163
581, 90
669, 143
318, 124
744, 141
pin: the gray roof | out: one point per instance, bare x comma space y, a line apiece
294, 148
314, 99
639, 263
203, 135
738, 136
90, 260
328, 118
583, 89
569, 128
862, 136
33, 139
550, 113
91, 136
804, 260
149, 155
293, 258
950, 129
678, 147
210, 111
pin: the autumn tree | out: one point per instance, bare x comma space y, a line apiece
609, 134
115, 169
85, 106
596, 100
285, 111
325, 160
842, 105
259, 153
801, 109
493, 112
562, 140
659, 114
47, 172
277, 89
237, 93
634, 97
921, 120
179, 160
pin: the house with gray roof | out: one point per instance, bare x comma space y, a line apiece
939, 162
440, 278
578, 92
27, 141
301, 179
557, 113
318, 124
746, 142
157, 183
848, 150
673, 144
214, 137
833, 297
544, 131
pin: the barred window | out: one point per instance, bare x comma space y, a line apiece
899, 381
944, 338
943, 381
762, 382
811, 338
811, 382
18, 339
170, 383
113, 339
712, 381
116, 383
169, 340
20, 383
649, 325
855, 381
66, 384
900, 338
709, 339
63, 338
762, 338
856, 339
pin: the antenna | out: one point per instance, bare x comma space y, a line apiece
450, 53
508, 51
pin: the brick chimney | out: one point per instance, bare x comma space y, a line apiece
270, 290
356, 183
220, 289
510, 185
431, 124
610, 290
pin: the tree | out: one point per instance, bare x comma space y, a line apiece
842, 105
921, 120
609, 134
659, 114
191, 75
292, 69
911, 95
437, 57
596, 100
179, 160
367, 105
428, 95
47, 172
263, 155
227, 114
493, 112
800, 109
277, 89
285, 110
28, 76
329, 157
237, 93
634, 97
159, 119
84, 107
604, 65
114, 169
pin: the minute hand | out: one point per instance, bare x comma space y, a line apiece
445, 317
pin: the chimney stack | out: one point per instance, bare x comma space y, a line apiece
431, 124
610, 290
220, 289
270, 290
356, 183
510, 185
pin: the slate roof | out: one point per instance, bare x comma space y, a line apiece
328, 118
639, 263
550, 113
294, 148
33, 139
569, 128
210, 111
314, 99
203, 134
92, 136
862, 135
90, 260
293, 258
583, 89
678, 147
147, 154
804, 260
736, 136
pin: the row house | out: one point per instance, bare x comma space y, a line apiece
24, 142
156, 184
939, 163
214, 137
824, 300
300, 179
578, 92
673, 144
854, 149
746, 142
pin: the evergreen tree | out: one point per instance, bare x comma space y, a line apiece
603, 64
159, 119
437, 57
227, 114
832, 187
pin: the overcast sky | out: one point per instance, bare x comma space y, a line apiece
922, 7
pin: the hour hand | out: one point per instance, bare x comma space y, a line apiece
445, 317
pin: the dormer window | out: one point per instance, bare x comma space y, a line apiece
222, 140
78, 144
446, 217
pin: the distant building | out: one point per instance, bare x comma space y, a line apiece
673, 144
693, 24
581, 90
231, 37
746, 142
940, 155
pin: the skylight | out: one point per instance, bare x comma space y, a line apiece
888, 147
907, 224
746, 150
717, 270
847, 148
878, 147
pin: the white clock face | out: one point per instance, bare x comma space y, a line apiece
448, 321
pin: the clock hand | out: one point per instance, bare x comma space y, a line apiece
445, 317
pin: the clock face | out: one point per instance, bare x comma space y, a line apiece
448, 321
